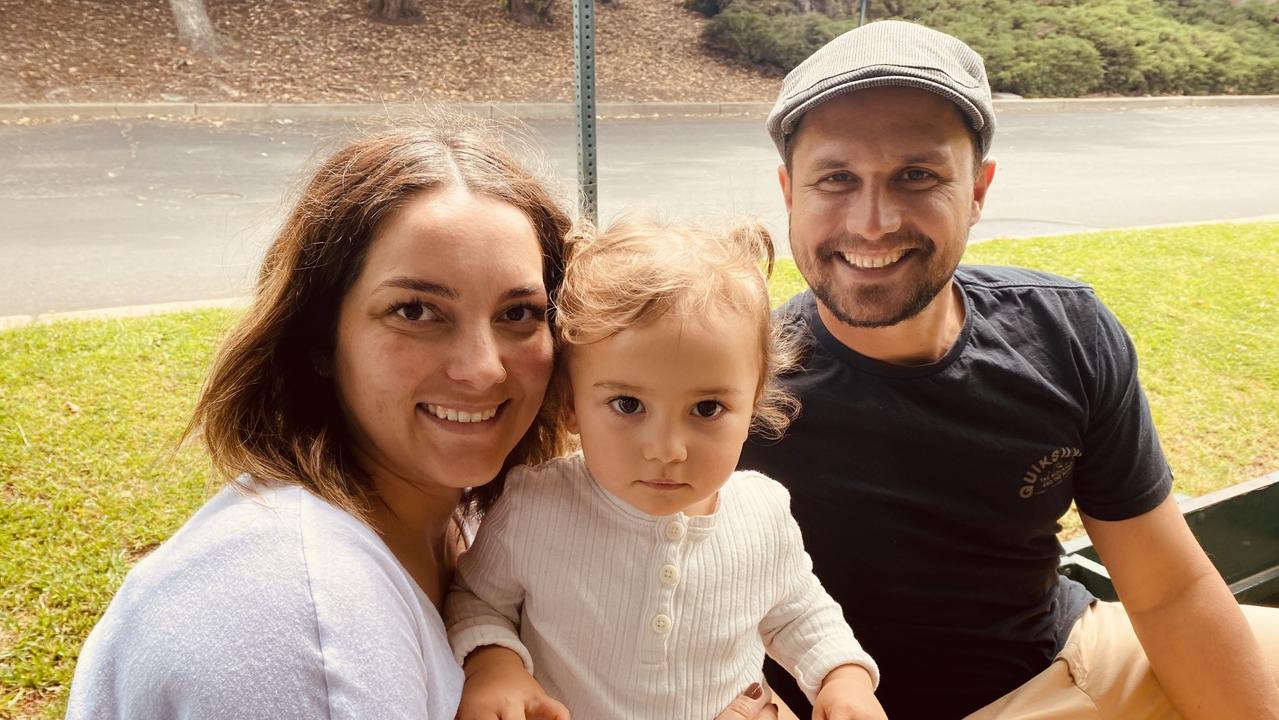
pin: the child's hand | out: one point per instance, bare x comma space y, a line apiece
847, 694
499, 688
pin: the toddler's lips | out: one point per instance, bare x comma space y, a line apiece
662, 484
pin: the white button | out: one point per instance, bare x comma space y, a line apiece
661, 624
674, 530
669, 574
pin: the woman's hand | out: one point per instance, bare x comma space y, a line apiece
847, 694
755, 703
499, 688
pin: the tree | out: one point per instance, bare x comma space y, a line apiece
395, 11
195, 30
534, 13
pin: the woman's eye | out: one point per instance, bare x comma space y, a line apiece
626, 405
413, 311
523, 313
707, 409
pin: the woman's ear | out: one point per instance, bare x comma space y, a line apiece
322, 362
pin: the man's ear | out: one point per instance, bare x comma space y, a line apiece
783, 177
981, 184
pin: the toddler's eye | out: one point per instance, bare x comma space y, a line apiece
626, 405
707, 409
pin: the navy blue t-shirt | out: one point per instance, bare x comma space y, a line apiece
930, 495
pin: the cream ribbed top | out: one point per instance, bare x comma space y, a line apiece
621, 614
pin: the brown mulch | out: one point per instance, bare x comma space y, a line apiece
330, 51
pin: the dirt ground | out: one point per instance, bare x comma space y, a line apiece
330, 51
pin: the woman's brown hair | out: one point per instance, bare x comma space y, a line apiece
267, 408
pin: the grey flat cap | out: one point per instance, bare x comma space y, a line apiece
888, 52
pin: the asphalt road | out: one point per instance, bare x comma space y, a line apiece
110, 213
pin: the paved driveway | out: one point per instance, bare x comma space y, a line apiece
109, 213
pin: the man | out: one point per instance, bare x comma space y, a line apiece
951, 415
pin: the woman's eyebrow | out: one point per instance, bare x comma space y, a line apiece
434, 288
524, 292
420, 285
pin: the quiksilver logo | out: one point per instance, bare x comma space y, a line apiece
1048, 471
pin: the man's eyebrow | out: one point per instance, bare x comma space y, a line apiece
829, 163
927, 157
433, 288
931, 157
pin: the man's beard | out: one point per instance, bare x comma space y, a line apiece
852, 306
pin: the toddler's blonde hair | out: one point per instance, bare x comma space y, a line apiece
637, 271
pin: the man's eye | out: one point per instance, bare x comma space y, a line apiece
626, 405
839, 178
707, 409
917, 175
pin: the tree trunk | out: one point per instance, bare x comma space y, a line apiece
395, 11
195, 30
533, 13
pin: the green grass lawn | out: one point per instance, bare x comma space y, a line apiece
90, 412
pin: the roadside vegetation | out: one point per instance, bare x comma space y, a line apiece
1039, 48
90, 412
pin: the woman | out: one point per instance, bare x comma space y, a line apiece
397, 353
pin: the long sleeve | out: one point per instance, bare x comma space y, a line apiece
805, 631
483, 605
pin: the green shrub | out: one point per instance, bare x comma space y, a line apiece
1061, 48
777, 41
1050, 67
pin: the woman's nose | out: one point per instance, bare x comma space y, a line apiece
477, 359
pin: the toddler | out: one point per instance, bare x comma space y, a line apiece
644, 577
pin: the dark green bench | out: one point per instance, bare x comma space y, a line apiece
1239, 529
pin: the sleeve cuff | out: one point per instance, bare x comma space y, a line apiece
466, 640
810, 677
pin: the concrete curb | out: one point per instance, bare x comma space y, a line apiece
361, 111
556, 111
11, 322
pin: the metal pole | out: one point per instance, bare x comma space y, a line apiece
861, 18
584, 97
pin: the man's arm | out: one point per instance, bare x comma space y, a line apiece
1198, 643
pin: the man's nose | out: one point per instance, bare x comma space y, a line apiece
874, 213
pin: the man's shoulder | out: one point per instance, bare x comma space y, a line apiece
1029, 295
794, 311
1007, 278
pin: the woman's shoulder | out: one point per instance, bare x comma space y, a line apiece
262, 590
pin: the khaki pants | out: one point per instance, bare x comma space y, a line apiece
1102, 673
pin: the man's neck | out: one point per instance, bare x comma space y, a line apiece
920, 340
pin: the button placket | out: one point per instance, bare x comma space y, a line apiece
665, 576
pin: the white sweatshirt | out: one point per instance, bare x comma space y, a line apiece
277, 606
620, 614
